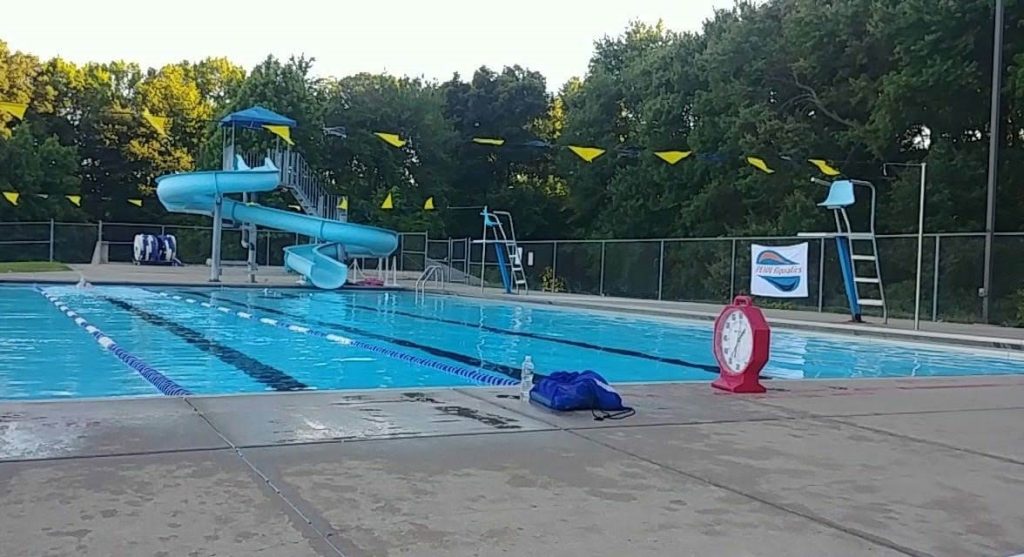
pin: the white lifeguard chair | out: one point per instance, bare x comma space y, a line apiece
508, 253
868, 275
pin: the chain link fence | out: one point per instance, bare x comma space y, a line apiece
675, 269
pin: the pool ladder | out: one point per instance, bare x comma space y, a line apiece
433, 274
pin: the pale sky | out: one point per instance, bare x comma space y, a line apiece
429, 38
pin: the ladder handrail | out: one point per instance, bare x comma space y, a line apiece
296, 175
435, 272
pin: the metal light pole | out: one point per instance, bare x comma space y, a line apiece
993, 158
923, 167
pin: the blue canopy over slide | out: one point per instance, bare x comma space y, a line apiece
255, 118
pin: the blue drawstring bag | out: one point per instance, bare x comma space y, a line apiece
571, 390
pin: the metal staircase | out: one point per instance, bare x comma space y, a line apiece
508, 240
304, 183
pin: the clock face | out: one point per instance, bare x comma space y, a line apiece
736, 342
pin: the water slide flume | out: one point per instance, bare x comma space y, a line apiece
323, 262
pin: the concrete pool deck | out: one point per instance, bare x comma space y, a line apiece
813, 468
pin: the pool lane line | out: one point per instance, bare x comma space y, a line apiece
480, 363
463, 372
710, 368
164, 384
266, 374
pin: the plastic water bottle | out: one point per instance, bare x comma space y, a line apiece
526, 383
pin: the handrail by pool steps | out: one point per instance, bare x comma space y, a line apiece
433, 273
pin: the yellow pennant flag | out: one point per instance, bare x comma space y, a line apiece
12, 196
388, 203
159, 123
295, 207
825, 167
43, 195
760, 165
14, 109
586, 153
429, 204
343, 204
136, 202
284, 132
392, 139
75, 200
672, 157
489, 141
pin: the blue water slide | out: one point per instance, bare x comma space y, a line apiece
323, 263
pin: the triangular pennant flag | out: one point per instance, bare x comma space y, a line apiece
343, 204
12, 196
388, 203
586, 153
14, 109
824, 167
760, 165
284, 132
392, 139
672, 157
136, 202
75, 200
429, 204
489, 141
159, 123
42, 195
295, 207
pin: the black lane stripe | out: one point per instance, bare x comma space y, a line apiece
268, 375
439, 352
570, 342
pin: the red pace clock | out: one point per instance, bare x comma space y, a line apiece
741, 344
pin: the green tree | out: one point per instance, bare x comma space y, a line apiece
365, 168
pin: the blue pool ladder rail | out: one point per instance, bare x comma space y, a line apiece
840, 196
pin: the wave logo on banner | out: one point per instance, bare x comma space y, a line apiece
779, 271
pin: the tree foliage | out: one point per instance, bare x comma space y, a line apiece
857, 82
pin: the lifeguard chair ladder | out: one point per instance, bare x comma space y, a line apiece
869, 274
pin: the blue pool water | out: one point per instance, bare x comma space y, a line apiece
357, 340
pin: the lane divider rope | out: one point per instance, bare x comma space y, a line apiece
476, 375
162, 383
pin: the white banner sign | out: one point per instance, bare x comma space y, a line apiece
778, 271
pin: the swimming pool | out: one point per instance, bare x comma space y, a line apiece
65, 342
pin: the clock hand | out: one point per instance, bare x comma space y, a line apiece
739, 337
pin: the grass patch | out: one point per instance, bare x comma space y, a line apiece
32, 267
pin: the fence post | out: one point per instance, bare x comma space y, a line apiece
600, 286
51, 240
401, 250
821, 275
99, 232
661, 267
267, 232
426, 246
554, 259
935, 280
732, 271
